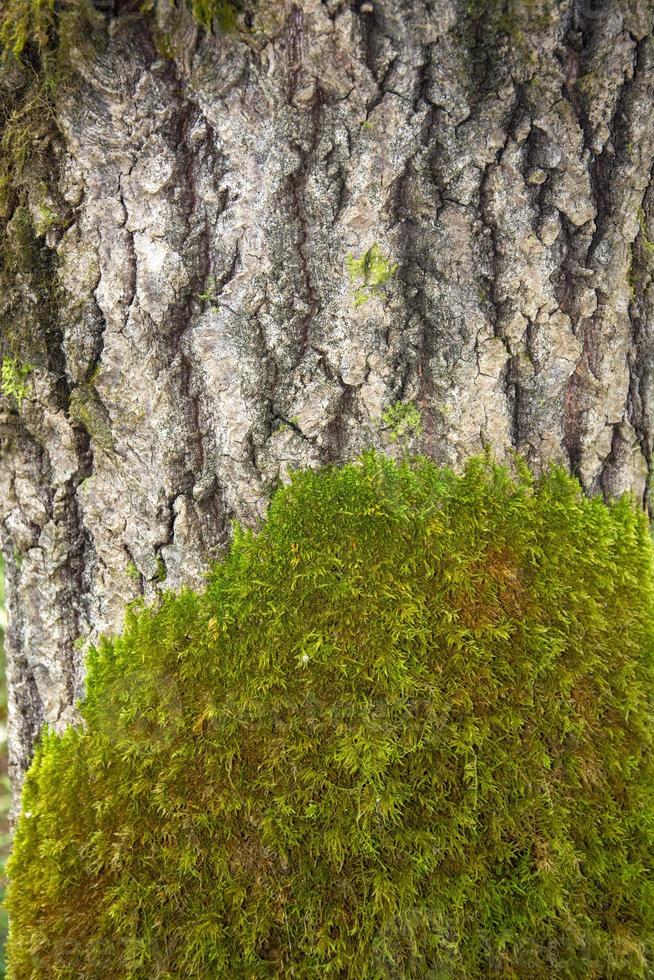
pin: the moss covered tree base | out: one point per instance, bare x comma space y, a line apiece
406, 731
239, 238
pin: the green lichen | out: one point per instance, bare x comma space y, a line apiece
645, 241
162, 573
369, 274
133, 571
640, 258
403, 421
504, 37
14, 379
405, 731
87, 409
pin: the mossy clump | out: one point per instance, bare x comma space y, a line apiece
221, 13
369, 274
35, 26
403, 421
405, 731
13, 379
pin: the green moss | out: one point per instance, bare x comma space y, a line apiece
164, 45
403, 420
406, 731
40, 26
504, 37
369, 274
28, 291
37, 39
47, 219
220, 13
133, 571
162, 572
14, 379
210, 294
26, 22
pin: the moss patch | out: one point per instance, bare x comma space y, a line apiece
219, 12
369, 274
13, 381
36, 25
403, 421
405, 731
28, 288
503, 37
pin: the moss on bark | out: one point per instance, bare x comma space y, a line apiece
406, 730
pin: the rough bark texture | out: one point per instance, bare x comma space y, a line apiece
201, 329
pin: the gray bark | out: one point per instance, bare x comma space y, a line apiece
199, 334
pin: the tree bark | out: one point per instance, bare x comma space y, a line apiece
200, 331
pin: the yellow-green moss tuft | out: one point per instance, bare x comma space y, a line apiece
13, 381
369, 274
406, 731
403, 421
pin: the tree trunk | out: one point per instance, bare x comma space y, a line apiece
197, 320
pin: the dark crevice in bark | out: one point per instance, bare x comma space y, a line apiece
419, 171
26, 710
572, 435
604, 165
336, 433
297, 191
370, 26
641, 356
511, 382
